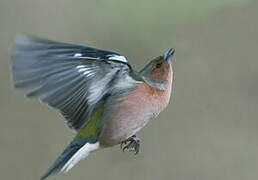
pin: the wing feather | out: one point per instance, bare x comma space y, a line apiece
70, 78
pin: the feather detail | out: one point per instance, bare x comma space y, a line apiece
70, 78
76, 151
80, 154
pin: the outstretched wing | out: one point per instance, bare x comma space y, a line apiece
67, 77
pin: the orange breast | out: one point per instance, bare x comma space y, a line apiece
135, 109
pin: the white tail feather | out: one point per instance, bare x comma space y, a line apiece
80, 154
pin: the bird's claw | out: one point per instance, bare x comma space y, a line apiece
132, 144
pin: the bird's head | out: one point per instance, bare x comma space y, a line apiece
157, 72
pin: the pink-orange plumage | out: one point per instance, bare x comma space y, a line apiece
97, 92
137, 107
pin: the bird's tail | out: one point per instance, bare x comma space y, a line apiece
76, 150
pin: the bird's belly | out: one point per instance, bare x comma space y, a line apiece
123, 125
132, 114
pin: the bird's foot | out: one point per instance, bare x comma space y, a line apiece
132, 144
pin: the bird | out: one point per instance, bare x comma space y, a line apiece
102, 99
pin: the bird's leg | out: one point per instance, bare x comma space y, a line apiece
132, 144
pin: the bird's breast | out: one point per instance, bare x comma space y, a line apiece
133, 112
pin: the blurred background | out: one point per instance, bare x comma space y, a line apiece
209, 130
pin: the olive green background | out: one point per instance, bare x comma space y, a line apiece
208, 132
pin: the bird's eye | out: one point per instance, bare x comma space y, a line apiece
158, 65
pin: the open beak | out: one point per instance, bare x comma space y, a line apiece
169, 55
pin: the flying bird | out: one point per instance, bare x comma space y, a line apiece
101, 97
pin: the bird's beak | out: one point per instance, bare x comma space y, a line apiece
169, 55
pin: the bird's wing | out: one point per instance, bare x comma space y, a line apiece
70, 78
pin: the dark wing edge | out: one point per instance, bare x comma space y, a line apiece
49, 47
70, 78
